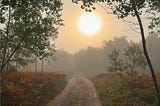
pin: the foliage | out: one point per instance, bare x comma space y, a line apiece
92, 59
121, 8
128, 61
134, 57
125, 91
30, 89
28, 27
155, 16
116, 64
155, 25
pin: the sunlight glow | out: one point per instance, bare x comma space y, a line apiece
89, 24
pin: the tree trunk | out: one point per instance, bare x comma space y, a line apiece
42, 66
16, 65
7, 35
147, 57
14, 51
35, 64
132, 69
7, 67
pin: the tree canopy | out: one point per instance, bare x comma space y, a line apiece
29, 27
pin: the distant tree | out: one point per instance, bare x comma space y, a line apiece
116, 63
134, 57
42, 65
89, 60
28, 26
133, 8
35, 69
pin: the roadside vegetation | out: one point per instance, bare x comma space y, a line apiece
31, 88
124, 84
124, 90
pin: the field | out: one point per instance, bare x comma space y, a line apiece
125, 90
30, 89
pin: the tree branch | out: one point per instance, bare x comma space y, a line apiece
13, 52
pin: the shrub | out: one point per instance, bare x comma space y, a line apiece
30, 89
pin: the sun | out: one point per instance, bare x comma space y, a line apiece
89, 24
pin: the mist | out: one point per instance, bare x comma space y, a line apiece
94, 60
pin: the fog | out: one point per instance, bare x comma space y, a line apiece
93, 60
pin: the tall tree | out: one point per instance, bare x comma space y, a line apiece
29, 26
134, 8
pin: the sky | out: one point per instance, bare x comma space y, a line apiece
72, 39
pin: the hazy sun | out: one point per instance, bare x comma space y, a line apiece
89, 24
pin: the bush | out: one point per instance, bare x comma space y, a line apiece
30, 89
115, 90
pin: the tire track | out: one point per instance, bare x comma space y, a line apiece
78, 92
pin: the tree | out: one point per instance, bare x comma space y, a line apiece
124, 8
134, 57
28, 28
116, 64
127, 60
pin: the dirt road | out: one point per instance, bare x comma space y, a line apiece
78, 92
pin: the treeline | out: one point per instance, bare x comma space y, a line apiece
62, 61
97, 59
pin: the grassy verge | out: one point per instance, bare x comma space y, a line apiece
77, 95
30, 89
125, 90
